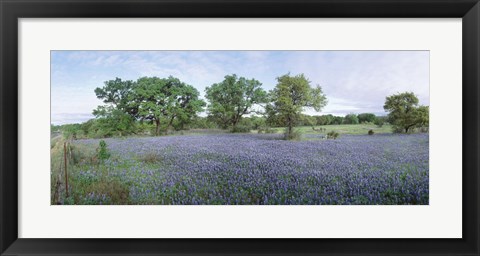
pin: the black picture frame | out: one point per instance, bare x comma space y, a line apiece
12, 10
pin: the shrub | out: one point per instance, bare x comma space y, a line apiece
379, 121
332, 135
98, 134
371, 132
81, 154
103, 153
366, 118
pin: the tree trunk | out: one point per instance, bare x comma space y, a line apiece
170, 124
157, 128
290, 127
235, 122
407, 128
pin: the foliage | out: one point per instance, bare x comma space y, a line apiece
422, 116
366, 118
257, 122
202, 123
324, 119
118, 95
307, 120
233, 98
83, 155
334, 120
102, 151
350, 119
149, 98
337, 120
186, 106
118, 115
371, 132
379, 121
405, 113
111, 122
289, 98
71, 131
54, 128
168, 98
332, 135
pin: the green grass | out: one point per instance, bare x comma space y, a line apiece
354, 129
81, 157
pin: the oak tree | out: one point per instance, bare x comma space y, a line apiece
233, 98
291, 96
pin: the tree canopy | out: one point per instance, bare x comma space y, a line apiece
235, 102
290, 97
148, 98
117, 93
233, 98
166, 98
366, 118
350, 119
405, 112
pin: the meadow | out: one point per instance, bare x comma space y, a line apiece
351, 129
265, 137
250, 169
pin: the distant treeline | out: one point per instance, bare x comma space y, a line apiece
364, 118
100, 128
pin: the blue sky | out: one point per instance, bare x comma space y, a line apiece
354, 81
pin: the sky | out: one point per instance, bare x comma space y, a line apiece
353, 81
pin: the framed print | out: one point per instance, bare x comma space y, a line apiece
226, 127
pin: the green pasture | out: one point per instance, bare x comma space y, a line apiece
354, 129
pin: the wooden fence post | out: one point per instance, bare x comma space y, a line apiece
65, 162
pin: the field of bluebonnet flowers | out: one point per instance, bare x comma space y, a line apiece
259, 169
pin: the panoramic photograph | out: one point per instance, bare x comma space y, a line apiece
239, 127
